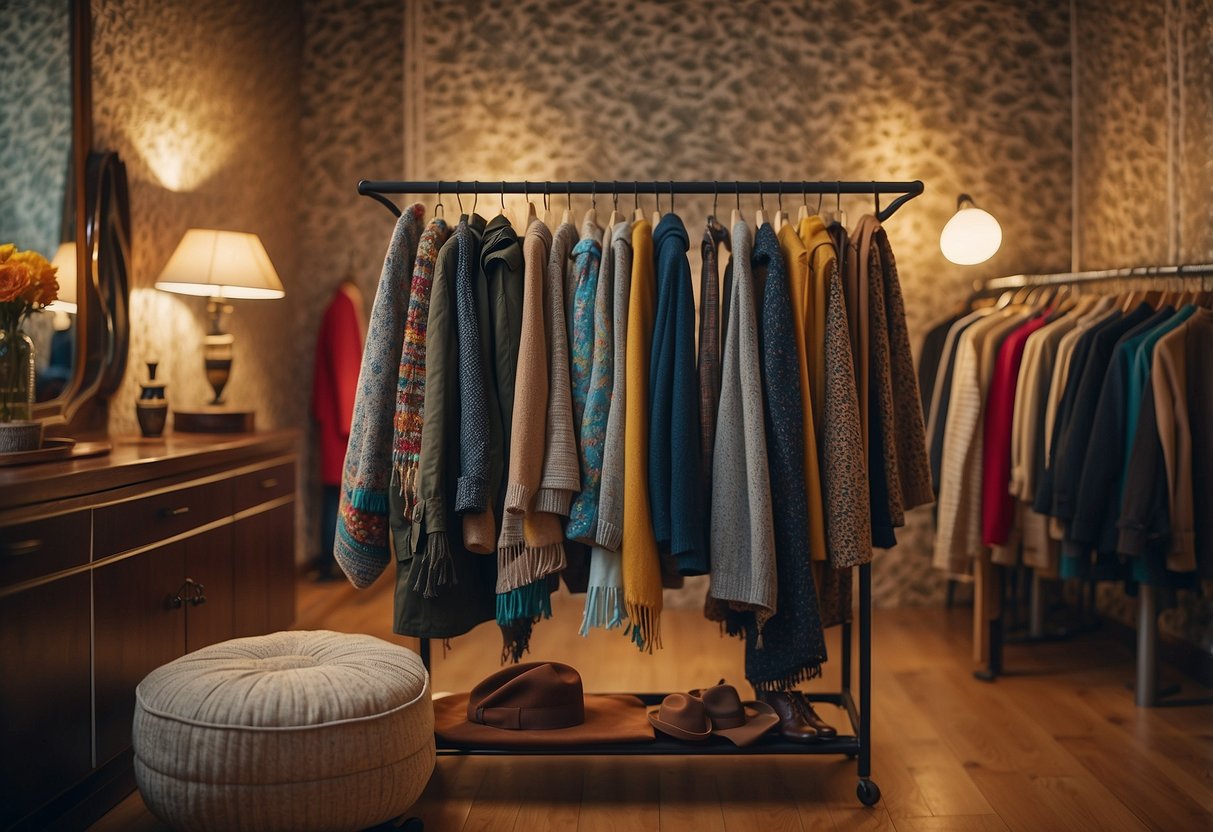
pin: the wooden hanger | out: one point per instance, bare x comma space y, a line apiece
638, 213
568, 210
760, 216
735, 216
615, 215
591, 216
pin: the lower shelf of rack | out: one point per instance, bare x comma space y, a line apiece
663, 746
667, 746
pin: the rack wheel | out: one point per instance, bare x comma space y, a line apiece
868, 792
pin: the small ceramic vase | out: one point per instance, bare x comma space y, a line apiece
152, 407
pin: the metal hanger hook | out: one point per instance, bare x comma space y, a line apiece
594, 194
780, 196
547, 197
438, 204
503, 196
458, 198
820, 197
475, 194
876, 199
737, 191
615, 196
636, 195
671, 196
715, 196
762, 204
838, 197
568, 195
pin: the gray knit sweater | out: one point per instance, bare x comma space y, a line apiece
742, 527
610, 499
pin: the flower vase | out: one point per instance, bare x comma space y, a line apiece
18, 430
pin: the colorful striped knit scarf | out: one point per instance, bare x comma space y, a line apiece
410, 390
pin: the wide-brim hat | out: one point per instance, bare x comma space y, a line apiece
538, 704
609, 718
739, 721
683, 717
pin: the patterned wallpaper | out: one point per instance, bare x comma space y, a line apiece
35, 122
1146, 172
969, 97
202, 101
351, 81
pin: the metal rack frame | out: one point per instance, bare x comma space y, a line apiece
857, 745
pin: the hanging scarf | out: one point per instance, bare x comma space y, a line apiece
790, 647
410, 388
710, 328
531, 545
604, 604
583, 516
641, 562
361, 547
587, 259
742, 529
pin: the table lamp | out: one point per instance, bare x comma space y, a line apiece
222, 266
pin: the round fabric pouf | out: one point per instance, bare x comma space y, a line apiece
292, 731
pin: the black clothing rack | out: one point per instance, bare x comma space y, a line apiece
1147, 692
857, 745
904, 191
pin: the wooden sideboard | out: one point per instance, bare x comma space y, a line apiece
110, 567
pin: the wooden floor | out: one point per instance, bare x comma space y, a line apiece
1056, 745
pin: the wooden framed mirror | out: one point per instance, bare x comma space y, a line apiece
57, 192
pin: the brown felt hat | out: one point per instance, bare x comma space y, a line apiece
683, 717
539, 703
742, 723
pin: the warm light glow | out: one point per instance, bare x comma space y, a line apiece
183, 140
221, 264
972, 236
65, 261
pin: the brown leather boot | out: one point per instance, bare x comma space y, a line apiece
825, 731
792, 722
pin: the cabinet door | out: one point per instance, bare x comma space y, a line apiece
45, 724
136, 629
263, 571
208, 562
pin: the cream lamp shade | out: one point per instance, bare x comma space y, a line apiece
972, 236
221, 264
65, 261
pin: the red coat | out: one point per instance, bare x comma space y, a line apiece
997, 504
338, 360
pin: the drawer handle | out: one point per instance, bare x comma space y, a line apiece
174, 512
191, 592
269, 482
21, 547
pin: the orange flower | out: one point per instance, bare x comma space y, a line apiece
6, 251
42, 287
14, 280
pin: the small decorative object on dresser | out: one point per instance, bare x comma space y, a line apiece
221, 265
152, 407
27, 284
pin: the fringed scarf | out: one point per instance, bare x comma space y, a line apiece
641, 561
531, 544
790, 648
410, 388
604, 603
361, 547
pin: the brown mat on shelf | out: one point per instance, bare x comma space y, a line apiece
609, 718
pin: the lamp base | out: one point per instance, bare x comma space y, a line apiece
213, 420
